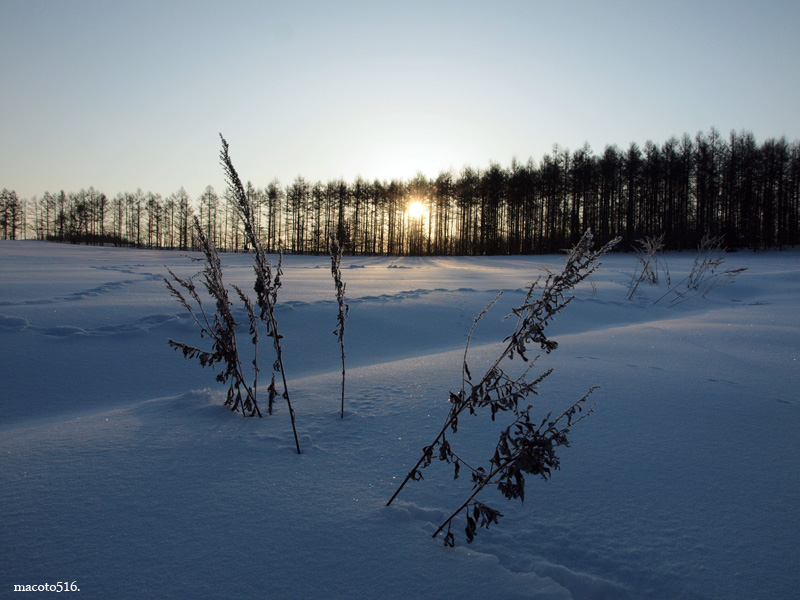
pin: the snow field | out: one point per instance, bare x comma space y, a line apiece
120, 468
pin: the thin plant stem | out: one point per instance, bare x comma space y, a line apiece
532, 319
266, 286
335, 251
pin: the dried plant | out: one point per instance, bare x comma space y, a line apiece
523, 448
267, 284
706, 274
335, 251
219, 328
649, 257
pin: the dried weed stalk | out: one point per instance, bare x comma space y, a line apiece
335, 251
648, 253
267, 284
524, 447
706, 274
219, 328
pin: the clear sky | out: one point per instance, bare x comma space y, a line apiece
125, 95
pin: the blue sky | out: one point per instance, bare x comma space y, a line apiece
126, 95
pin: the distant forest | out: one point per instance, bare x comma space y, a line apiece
685, 188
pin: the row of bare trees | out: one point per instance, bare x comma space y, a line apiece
12, 215
684, 188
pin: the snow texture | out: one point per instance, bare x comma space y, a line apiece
121, 470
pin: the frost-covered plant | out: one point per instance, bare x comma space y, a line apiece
335, 251
648, 253
267, 284
706, 274
220, 328
524, 447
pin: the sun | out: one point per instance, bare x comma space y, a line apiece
416, 209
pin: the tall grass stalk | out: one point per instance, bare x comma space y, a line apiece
219, 328
523, 447
267, 284
648, 253
335, 251
706, 274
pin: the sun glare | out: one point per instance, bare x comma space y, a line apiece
416, 209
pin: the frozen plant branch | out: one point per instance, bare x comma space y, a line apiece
220, 329
524, 448
498, 392
266, 285
648, 255
706, 274
335, 251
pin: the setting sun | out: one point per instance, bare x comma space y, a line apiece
416, 209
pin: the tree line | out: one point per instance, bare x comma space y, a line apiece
684, 188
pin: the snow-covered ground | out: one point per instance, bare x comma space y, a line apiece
120, 469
